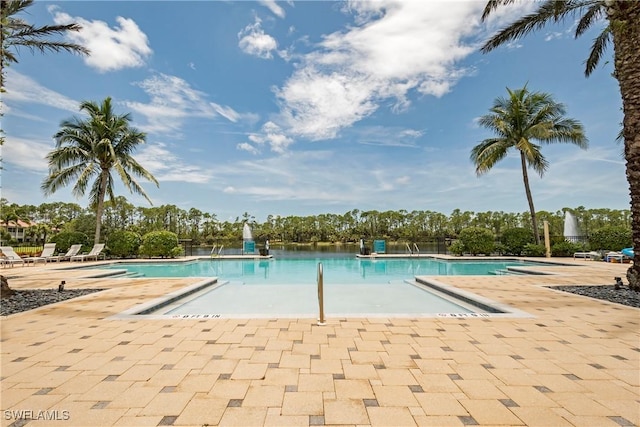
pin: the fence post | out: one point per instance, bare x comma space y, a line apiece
547, 243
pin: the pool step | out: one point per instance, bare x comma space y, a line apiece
128, 274
505, 272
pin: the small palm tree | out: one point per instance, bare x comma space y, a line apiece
519, 120
16, 32
93, 148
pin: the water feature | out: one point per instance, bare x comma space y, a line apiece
570, 226
247, 236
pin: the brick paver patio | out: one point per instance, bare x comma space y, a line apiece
576, 361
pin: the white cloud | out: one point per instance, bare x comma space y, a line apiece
226, 112
29, 154
395, 50
173, 100
254, 41
123, 46
387, 136
397, 47
245, 146
166, 166
553, 35
21, 88
273, 135
273, 6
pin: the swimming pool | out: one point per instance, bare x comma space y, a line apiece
287, 288
303, 270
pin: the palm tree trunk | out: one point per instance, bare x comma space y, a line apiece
100, 207
527, 189
625, 24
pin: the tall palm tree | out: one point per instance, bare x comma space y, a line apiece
93, 148
622, 27
16, 32
519, 120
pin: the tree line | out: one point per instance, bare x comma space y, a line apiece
204, 228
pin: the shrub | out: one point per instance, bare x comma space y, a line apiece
515, 239
65, 239
533, 250
565, 248
456, 248
499, 248
611, 238
162, 244
477, 240
123, 243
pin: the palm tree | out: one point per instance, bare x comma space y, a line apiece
16, 32
518, 121
92, 148
623, 29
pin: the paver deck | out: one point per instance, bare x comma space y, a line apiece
576, 361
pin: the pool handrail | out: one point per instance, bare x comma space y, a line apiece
321, 321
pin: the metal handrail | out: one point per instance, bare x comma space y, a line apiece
417, 249
321, 321
408, 248
213, 250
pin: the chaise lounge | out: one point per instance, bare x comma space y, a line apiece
73, 251
593, 255
95, 252
9, 257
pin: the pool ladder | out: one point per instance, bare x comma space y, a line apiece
413, 249
218, 252
321, 321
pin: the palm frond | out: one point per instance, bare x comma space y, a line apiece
593, 13
598, 48
493, 5
18, 33
132, 165
533, 156
489, 152
550, 11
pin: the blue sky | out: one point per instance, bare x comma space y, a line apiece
303, 108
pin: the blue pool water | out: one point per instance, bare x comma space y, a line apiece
287, 287
336, 270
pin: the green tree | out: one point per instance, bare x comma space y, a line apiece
93, 148
16, 32
622, 28
519, 120
162, 244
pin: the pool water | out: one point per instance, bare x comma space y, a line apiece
345, 271
397, 299
287, 287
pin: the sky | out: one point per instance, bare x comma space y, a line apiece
312, 107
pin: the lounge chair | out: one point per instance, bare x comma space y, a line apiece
95, 252
47, 252
9, 257
615, 256
73, 251
593, 255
